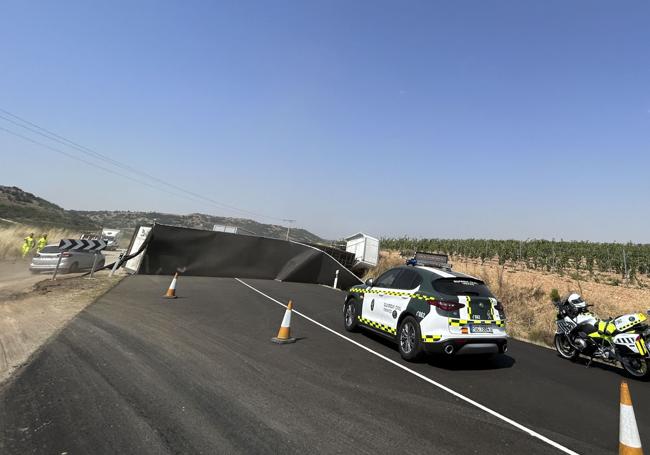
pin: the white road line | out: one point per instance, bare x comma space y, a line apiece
517, 425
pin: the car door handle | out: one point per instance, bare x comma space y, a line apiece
381, 295
405, 296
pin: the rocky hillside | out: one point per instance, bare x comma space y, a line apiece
19, 206
128, 220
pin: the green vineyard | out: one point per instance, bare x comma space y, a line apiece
628, 260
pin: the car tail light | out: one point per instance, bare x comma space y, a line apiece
446, 306
65, 255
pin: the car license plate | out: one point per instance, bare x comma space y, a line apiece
480, 329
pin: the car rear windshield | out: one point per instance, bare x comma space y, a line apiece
461, 286
50, 249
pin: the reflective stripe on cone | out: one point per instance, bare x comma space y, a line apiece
284, 334
171, 291
629, 439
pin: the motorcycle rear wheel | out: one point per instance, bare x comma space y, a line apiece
564, 347
636, 367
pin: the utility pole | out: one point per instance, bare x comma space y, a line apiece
289, 226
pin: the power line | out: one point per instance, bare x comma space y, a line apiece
90, 163
69, 143
64, 141
54, 149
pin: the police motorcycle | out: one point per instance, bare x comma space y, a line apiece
621, 339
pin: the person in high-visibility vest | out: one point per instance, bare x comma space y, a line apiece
28, 244
42, 242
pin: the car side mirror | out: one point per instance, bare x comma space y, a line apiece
369, 282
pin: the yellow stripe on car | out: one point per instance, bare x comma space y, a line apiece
376, 325
431, 338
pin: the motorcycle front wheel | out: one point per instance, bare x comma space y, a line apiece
564, 347
636, 367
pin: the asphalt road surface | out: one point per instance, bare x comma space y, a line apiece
137, 374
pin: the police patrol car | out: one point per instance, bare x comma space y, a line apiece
425, 307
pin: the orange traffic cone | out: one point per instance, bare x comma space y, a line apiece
629, 441
284, 334
171, 292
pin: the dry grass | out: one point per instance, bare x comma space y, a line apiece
12, 237
529, 311
525, 294
387, 260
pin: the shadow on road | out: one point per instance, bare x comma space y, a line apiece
454, 363
582, 361
471, 362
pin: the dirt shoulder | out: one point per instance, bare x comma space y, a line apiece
33, 308
15, 278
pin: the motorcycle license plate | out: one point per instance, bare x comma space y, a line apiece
480, 329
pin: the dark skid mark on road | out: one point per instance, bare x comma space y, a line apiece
135, 373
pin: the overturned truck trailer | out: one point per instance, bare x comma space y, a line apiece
196, 252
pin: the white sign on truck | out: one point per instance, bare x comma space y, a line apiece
133, 264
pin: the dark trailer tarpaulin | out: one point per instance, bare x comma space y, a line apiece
206, 253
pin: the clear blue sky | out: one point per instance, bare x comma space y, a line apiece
501, 119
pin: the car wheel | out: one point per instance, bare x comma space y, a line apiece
350, 316
409, 339
74, 268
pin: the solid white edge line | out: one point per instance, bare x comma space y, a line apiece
517, 425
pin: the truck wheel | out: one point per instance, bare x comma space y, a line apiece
409, 339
